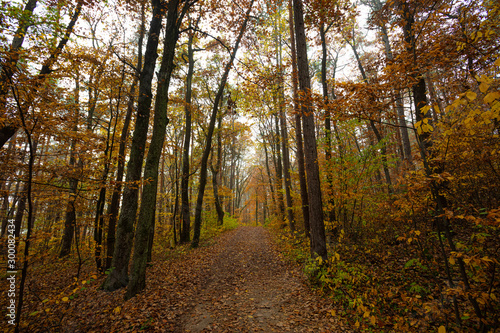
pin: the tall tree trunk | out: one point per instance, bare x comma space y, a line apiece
283, 128
420, 101
70, 219
216, 173
278, 168
98, 225
148, 199
118, 277
186, 218
328, 125
418, 88
298, 127
403, 128
175, 184
115, 198
108, 154
286, 169
32, 145
269, 175
317, 226
208, 143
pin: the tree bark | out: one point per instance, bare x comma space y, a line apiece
278, 168
118, 276
115, 198
418, 87
216, 173
32, 145
286, 169
284, 135
70, 219
317, 226
148, 199
186, 218
268, 170
328, 125
298, 127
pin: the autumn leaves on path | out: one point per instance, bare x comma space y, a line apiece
236, 284
248, 289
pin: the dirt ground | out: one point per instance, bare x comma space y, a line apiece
237, 282
250, 289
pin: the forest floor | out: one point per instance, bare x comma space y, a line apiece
237, 282
249, 288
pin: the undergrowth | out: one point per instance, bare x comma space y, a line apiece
380, 287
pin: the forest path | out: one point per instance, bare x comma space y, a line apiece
236, 282
248, 288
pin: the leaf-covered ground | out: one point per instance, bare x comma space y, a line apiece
249, 288
237, 283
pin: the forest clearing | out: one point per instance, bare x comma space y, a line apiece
250, 165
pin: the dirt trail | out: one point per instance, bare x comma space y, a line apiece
237, 282
248, 288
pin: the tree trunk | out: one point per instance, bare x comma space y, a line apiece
148, 199
443, 224
99, 215
186, 218
32, 145
269, 175
118, 277
70, 220
216, 174
284, 134
115, 198
317, 226
328, 126
418, 89
286, 169
208, 143
98, 225
399, 101
279, 169
114, 205
298, 127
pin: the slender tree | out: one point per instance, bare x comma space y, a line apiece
185, 210
298, 126
74, 165
114, 205
118, 276
148, 199
317, 226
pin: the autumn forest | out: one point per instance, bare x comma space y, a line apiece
250, 165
